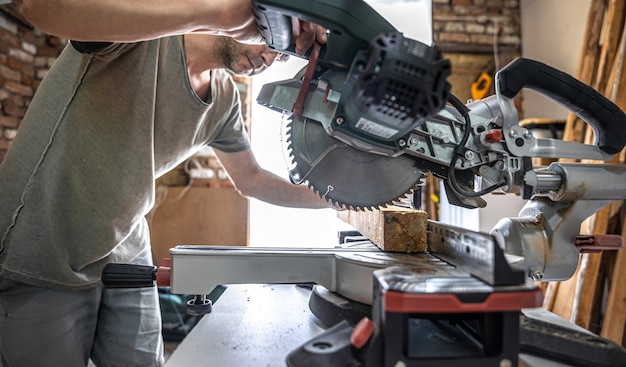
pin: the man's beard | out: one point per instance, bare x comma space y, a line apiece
227, 51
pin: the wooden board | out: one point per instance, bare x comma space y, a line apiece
393, 229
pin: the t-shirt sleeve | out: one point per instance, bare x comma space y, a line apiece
233, 136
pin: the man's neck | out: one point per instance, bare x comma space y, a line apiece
199, 63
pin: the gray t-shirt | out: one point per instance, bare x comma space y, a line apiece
79, 178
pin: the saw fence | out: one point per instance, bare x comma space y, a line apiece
595, 297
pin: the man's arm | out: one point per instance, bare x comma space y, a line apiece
253, 181
138, 20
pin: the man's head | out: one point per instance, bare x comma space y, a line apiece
243, 59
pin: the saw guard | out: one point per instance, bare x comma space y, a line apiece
344, 175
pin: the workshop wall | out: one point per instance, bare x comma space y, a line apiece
25, 56
477, 36
470, 25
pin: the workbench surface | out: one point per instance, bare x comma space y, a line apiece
258, 325
250, 325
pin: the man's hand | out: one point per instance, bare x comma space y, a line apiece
305, 34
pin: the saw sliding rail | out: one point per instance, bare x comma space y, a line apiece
463, 282
346, 270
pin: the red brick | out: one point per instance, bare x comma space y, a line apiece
4, 145
13, 110
10, 73
14, 63
28, 80
17, 100
10, 122
18, 88
22, 55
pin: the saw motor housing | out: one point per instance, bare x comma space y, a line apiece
391, 89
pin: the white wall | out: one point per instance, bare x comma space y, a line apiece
552, 32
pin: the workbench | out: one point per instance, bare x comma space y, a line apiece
258, 325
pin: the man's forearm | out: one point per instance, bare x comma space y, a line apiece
290, 195
137, 20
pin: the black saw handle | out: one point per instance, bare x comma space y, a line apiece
119, 275
607, 120
352, 25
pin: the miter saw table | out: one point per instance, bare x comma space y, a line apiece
259, 325
354, 305
299, 307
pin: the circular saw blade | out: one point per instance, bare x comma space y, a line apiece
345, 175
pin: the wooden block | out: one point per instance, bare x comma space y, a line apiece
394, 229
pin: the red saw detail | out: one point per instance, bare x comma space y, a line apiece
449, 303
298, 107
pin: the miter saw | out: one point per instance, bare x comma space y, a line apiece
370, 114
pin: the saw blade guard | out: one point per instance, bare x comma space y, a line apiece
345, 176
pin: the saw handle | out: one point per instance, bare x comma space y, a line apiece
352, 25
275, 28
118, 275
606, 119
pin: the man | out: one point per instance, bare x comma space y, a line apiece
109, 118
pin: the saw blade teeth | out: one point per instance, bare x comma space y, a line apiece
305, 140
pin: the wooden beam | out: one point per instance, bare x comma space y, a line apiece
394, 229
614, 322
610, 43
587, 66
589, 293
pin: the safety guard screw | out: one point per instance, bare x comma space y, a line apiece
536, 274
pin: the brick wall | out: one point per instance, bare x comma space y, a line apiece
25, 56
470, 25
477, 36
